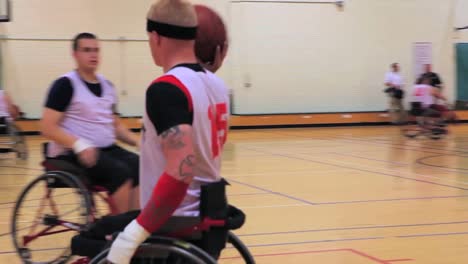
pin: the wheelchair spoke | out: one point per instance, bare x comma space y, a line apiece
38, 214
69, 212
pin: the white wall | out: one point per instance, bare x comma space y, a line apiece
39, 49
297, 57
315, 58
461, 20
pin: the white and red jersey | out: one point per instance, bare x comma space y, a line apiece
3, 105
209, 101
422, 93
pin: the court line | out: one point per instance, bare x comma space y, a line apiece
402, 145
247, 194
36, 250
394, 199
353, 251
360, 157
358, 201
421, 162
407, 164
358, 169
354, 141
409, 174
434, 234
352, 228
272, 192
315, 241
417, 174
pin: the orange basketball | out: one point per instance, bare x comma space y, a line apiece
210, 34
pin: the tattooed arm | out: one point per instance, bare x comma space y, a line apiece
168, 194
170, 112
177, 146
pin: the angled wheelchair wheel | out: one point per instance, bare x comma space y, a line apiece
437, 133
241, 248
48, 213
159, 250
411, 131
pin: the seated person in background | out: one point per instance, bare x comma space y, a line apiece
424, 97
79, 119
7, 111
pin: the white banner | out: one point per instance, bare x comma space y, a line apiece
422, 52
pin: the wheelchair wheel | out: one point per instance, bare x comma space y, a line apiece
49, 211
241, 248
411, 131
159, 250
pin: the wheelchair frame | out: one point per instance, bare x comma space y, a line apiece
16, 142
423, 127
55, 178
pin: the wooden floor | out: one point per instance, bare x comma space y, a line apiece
327, 195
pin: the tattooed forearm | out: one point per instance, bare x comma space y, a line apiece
186, 167
173, 138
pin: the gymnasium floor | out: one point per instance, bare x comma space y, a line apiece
328, 195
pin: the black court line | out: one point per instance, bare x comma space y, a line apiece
358, 169
422, 162
273, 192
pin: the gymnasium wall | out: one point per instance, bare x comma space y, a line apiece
284, 58
461, 20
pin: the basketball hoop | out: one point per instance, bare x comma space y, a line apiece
461, 28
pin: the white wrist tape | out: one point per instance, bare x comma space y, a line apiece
126, 243
81, 145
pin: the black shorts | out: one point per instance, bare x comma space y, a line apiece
3, 125
113, 168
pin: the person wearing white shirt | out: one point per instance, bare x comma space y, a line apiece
394, 88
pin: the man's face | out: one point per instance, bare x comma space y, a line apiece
87, 54
428, 68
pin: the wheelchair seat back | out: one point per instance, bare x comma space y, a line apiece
55, 164
416, 109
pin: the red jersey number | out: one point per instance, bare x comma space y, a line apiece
218, 117
419, 92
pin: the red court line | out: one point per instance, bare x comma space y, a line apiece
362, 254
356, 252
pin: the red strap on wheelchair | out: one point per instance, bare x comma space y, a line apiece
48, 166
205, 225
166, 198
82, 261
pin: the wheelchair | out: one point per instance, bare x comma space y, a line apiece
427, 122
61, 203
11, 139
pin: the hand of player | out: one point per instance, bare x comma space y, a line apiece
218, 59
124, 246
88, 157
